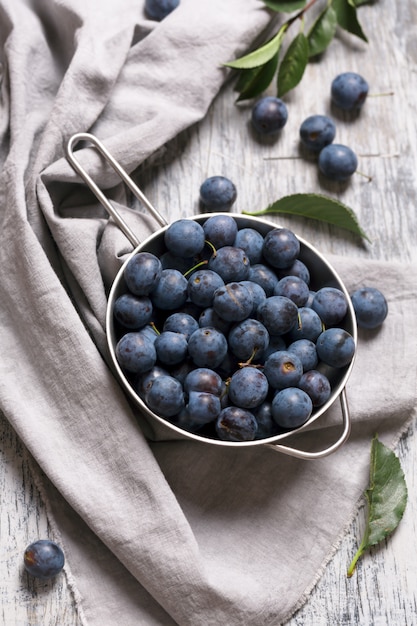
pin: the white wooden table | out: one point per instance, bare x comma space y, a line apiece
384, 589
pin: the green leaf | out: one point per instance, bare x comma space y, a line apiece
293, 64
386, 496
285, 6
322, 31
318, 207
252, 83
261, 55
359, 3
347, 18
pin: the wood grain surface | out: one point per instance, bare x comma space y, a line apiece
383, 591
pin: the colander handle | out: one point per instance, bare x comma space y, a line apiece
124, 227
301, 454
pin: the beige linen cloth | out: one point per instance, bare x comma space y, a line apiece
161, 532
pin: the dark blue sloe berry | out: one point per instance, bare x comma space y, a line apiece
217, 193
283, 369
264, 276
202, 286
203, 379
337, 162
293, 288
370, 306
317, 131
171, 348
248, 387
278, 314
306, 352
133, 311
236, 424
220, 230
336, 347
251, 241
309, 325
166, 396
267, 426
269, 115
171, 290
281, 247
159, 9
230, 263
291, 407
207, 347
43, 559
142, 273
248, 339
135, 352
349, 91
233, 302
184, 238
316, 385
181, 322
330, 304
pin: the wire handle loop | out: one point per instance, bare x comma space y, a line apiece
124, 227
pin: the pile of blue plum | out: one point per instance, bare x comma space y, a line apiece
222, 333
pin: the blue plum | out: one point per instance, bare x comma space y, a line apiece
370, 306
317, 131
43, 559
207, 347
166, 396
336, 347
338, 162
291, 407
330, 304
135, 352
171, 291
133, 311
349, 91
281, 247
171, 348
202, 285
248, 387
184, 238
217, 193
236, 424
142, 273
220, 230
283, 369
316, 385
251, 241
278, 314
233, 302
230, 263
269, 115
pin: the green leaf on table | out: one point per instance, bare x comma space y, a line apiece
386, 496
293, 64
322, 31
318, 207
347, 18
261, 55
252, 83
285, 6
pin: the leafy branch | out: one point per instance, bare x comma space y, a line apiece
258, 68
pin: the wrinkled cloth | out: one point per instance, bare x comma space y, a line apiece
155, 531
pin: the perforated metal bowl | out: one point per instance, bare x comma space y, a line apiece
321, 272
